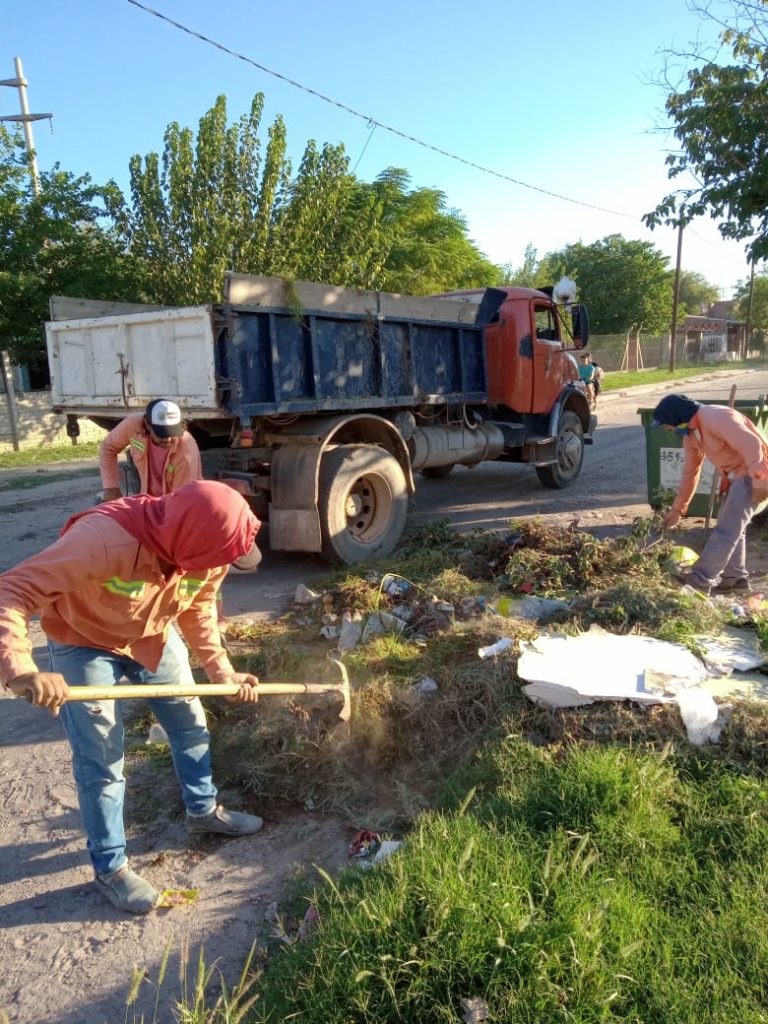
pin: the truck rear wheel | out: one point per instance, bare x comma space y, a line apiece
570, 454
363, 503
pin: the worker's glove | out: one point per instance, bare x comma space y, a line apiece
249, 688
43, 689
671, 519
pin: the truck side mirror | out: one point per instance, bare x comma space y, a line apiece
580, 325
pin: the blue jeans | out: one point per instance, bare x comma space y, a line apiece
96, 736
725, 554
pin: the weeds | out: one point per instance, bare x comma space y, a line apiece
197, 1004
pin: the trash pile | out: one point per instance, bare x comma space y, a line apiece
407, 609
614, 584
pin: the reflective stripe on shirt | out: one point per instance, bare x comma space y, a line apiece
125, 588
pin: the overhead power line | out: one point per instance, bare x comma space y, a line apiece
372, 120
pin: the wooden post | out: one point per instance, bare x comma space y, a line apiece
7, 374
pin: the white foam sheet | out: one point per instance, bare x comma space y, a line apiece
568, 671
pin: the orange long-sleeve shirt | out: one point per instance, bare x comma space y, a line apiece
98, 587
730, 441
181, 462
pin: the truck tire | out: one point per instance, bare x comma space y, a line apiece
570, 454
436, 472
363, 503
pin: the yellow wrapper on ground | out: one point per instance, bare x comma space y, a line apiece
177, 897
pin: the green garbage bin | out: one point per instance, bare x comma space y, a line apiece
664, 456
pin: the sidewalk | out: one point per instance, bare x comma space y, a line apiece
667, 385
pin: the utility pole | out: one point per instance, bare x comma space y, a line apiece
25, 118
748, 328
675, 298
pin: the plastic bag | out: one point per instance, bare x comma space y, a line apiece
699, 713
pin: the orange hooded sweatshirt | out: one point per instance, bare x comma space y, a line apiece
122, 572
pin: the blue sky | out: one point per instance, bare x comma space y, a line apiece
560, 96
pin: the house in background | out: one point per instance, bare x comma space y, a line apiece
714, 336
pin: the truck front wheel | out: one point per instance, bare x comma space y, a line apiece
570, 454
363, 503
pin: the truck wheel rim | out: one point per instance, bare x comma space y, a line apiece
368, 508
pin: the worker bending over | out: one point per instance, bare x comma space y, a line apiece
733, 444
164, 454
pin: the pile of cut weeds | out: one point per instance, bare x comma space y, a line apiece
391, 761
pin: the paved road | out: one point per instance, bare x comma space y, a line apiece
610, 491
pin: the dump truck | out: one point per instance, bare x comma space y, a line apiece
321, 404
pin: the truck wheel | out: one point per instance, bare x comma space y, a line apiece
436, 472
363, 503
570, 454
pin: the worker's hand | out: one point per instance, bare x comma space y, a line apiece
43, 689
671, 519
249, 688
111, 494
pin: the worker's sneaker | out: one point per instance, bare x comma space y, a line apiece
128, 891
741, 583
688, 581
227, 823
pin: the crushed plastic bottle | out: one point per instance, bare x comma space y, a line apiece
497, 648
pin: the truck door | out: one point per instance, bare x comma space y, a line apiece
547, 356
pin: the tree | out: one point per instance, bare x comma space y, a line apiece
719, 116
216, 202
622, 282
52, 243
759, 313
425, 244
696, 294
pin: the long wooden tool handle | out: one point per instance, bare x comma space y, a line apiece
128, 692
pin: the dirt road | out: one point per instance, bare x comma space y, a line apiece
66, 955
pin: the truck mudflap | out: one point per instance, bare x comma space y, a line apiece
295, 520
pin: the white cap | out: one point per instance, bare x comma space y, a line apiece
164, 418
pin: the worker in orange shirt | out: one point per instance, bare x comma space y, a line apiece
110, 593
735, 446
164, 454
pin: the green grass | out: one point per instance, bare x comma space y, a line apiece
618, 379
46, 455
558, 884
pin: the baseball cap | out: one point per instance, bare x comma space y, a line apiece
248, 561
164, 418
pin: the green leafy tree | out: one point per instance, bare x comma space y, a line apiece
57, 242
623, 282
218, 201
425, 244
524, 276
759, 313
719, 116
696, 294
